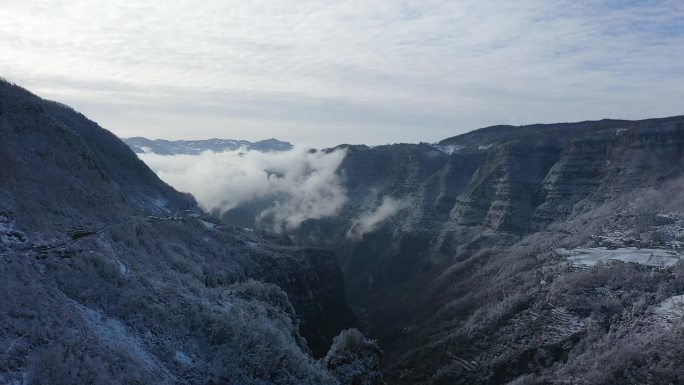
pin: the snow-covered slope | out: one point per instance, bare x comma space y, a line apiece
109, 276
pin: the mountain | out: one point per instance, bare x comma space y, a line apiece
110, 276
541, 254
142, 145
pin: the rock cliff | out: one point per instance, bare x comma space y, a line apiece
474, 241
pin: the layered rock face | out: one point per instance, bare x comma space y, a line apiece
483, 210
516, 180
112, 277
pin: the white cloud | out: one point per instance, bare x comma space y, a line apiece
370, 221
324, 72
301, 184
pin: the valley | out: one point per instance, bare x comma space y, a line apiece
344, 192
544, 254
510, 253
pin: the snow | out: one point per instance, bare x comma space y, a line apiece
673, 305
208, 225
114, 333
666, 232
183, 358
108, 251
670, 310
452, 148
614, 237
593, 256
122, 268
448, 149
161, 203
8, 235
564, 325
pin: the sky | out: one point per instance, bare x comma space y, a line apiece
320, 73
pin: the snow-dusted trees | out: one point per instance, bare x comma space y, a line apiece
354, 360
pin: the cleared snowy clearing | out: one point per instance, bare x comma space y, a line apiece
600, 255
671, 309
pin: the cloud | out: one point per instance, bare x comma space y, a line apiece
370, 221
296, 185
324, 72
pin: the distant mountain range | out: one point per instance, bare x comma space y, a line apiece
142, 145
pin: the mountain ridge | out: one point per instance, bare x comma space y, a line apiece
508, 132
142, 145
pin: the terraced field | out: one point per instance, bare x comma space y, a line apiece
592, 256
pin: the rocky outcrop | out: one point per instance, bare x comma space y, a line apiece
505, 190
315, 287
354, 360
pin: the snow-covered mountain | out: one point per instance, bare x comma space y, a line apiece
542, 254
142, 145
110, 276
516, 255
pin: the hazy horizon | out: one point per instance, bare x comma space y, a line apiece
298, 145
323, 73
